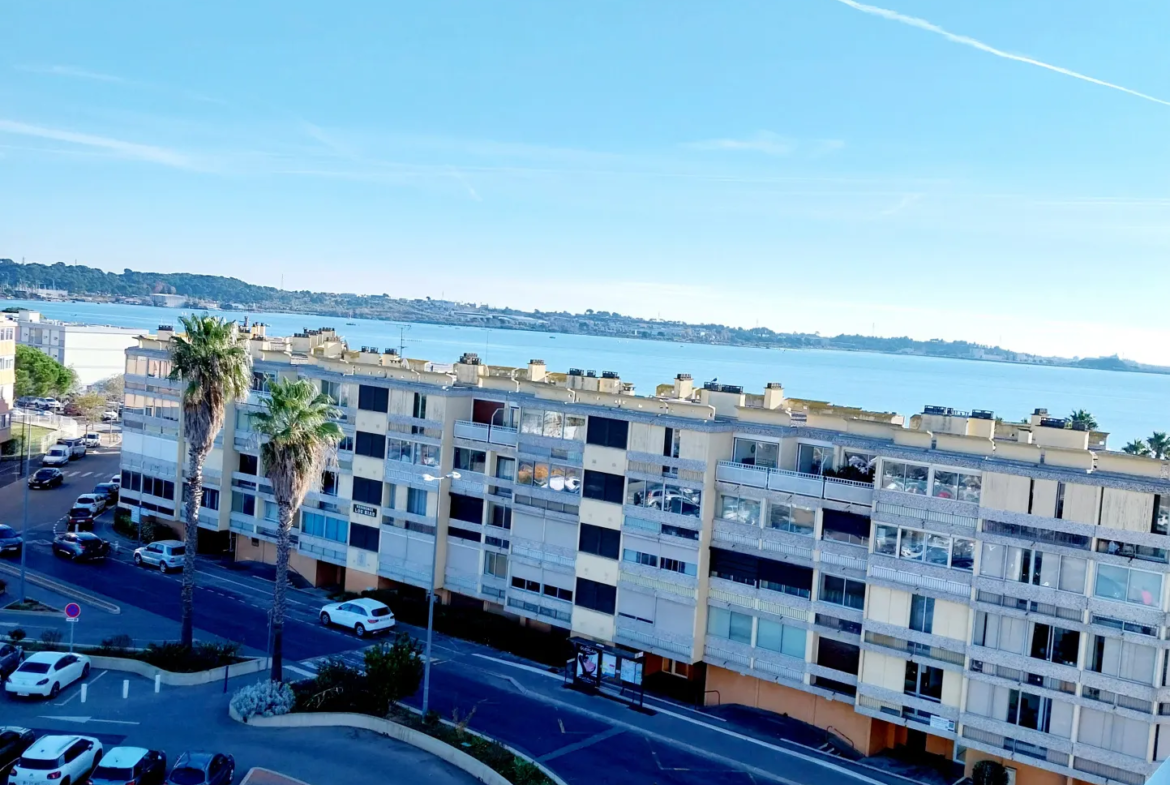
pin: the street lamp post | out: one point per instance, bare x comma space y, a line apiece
24, 524
426, 701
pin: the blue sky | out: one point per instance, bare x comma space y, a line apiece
816, 165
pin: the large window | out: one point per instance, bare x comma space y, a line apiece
750, 452
495, 564
1122, 659
466, 508
373, 399
765, 573
780, 638
499, 516
905, 477
921, 613
845, 527
1128, 550
466, 460
372, 445
600, 541
791, 518
608, 432
600, 597
244, 503
210, 499
505, 468
729, 625
550, 476
842, 591
814, 459
604, 487
367, 491
923, 681
1011, 563
553, 425
735, 508
953, 484
921, 546
1128, 585
317, 525
364, 537
1055, 644
1161, 521
409, 452
666, 497
839, 656
416, 501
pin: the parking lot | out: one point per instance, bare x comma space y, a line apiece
163, 721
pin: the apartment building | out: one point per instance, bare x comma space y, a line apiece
94, 351
7, 376
956, 585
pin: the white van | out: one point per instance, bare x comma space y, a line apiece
76, 446
58, 455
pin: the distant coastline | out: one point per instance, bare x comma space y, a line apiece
62, 282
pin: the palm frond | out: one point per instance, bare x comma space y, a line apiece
298, 423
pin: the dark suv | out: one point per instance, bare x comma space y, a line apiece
80, 546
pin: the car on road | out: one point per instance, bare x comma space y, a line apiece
167, 555
108, 491
362, 615
57, 760
13, 742
131, 766
80, 519
203, 768
76, 446
46, 477
58, 455
117, 480
109, 416
80, 546
92, 440
47, 673
10, 657
11, 543
94, 501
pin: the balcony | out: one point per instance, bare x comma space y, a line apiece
482, 432
814, 485
646, 637
920, 581
414, 573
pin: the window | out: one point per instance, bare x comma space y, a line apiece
466, 508
637, 557
1035, 534
671, 441
1131, 551
844, 657
271, 512
780, 638
607, 432
729, 625
153, 486
600, 541
244, 503
923, 681
466, 460
1011, 563
499, 516
1128, 585
916, 545
506, 468
734, 566
679, 566
790, 518
1055, 644
1060, 500
1122, 659
1161, 521
463, 534
604, 487
249, 464
367, 491
319, 525
373, 399
416, 501
665, 496
495, 564
734, 508
847, 527
551, 477
524, 584
419, 409
346, 444
372, 445
596, 596
814, 459
905, 477
749, 452
553, 425
921, 613
1028, 710
364, 537
842, 591
678, 531
329, 483
210, 499
961, 486
559, 593
784, 577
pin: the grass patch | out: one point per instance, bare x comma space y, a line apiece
30, 605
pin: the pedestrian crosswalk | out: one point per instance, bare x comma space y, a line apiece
355, 658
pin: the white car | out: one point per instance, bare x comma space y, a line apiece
116, 480
58, 455
92, 440
57, 760
91, 501
109, 416
167, 555
47, 673
362, 615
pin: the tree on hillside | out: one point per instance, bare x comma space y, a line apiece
1137, 447
210, 359
297, 422
1083, 417
39, 375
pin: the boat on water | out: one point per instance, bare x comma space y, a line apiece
351, 324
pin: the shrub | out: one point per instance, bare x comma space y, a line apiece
336, 687
264, 699
989, 772
17, 635
393, 671
177, 658
51, 637
115, 645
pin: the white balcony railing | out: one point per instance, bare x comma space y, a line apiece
813, 485
921, 581
482, 432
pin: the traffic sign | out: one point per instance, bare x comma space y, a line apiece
72, 611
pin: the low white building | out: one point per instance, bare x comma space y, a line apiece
93, 351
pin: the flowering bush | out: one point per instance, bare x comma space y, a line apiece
264, 699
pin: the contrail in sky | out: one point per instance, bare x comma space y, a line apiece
922, 24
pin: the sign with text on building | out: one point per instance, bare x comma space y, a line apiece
942, 723
369, 512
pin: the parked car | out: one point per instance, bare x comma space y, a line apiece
47, 477
57, 760
10, 657
203, 768
11, 543
25, 402
362, 615
108, 491
167, 555
53, 405
47, 673
13, 743
58, 455
81, 519
92, 440
117, 480
94, 501
131, 766
109, 416
80, 546
76, 446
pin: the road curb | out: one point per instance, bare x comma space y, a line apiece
64, 588
172, 679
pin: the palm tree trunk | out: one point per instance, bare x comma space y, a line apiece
280, 591
193, 502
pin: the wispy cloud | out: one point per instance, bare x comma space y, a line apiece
903, 203
930, 27
119, 147
72, 73
463, 181
765, 142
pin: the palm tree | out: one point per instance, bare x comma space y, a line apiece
298, 423
210, 358
1137, 447
1159, 444
1082, 416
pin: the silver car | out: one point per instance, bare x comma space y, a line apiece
167, 555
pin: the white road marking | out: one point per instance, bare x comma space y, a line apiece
304, 673
86, 474
308, 665
84, 720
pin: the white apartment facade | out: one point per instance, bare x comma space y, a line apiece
959, 586
94, 351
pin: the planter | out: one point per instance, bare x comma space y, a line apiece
171, 679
